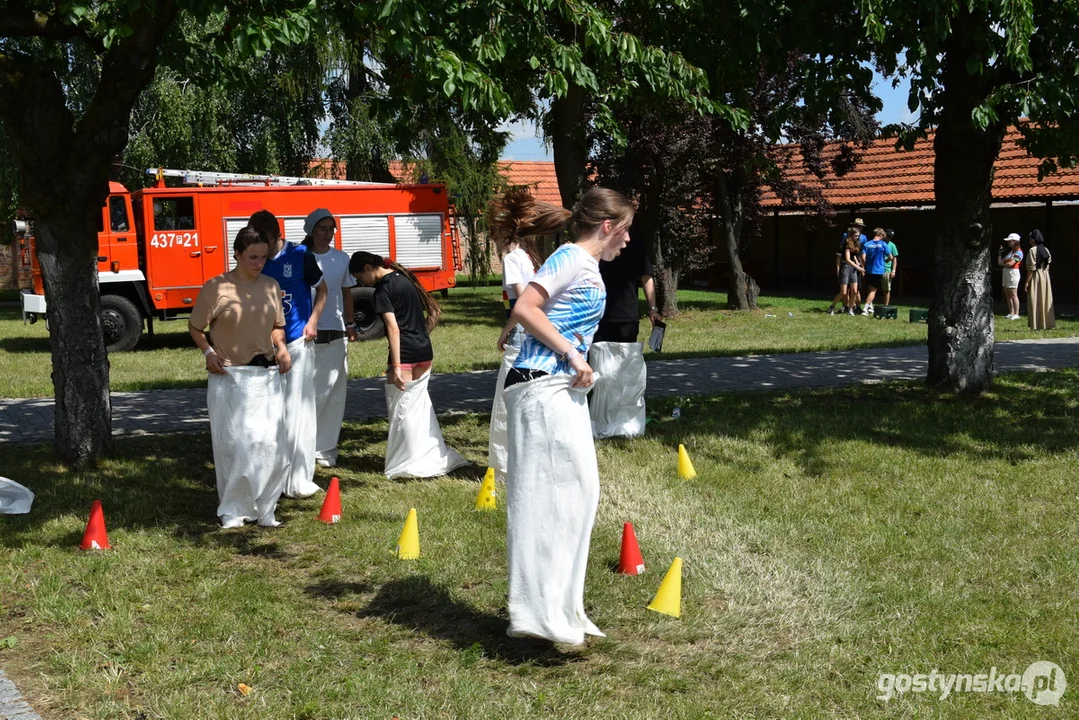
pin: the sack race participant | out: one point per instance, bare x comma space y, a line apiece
415, 447
552, 479
617, 402
335, 330
244, 394
518, 266
297, 272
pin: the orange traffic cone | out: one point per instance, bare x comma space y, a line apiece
331, 506
630, 561
95, 537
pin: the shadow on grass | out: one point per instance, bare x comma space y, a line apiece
418, 604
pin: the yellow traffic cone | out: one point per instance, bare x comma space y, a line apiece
668, 599
485, 498
408, 544
685, 465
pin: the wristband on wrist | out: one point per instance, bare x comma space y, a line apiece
654, 308
350, 326
207, 351
570, 354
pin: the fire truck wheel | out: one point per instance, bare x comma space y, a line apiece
368, 324
121, 323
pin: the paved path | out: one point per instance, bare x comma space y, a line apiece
170, 411
12, 706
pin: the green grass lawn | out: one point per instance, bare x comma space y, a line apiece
465, 340
830, 536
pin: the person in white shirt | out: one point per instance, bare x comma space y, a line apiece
335, 330
518, 268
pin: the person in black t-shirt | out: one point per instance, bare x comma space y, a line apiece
409, 312
622, 276
616, 405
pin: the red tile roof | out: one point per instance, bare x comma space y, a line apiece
888, 177
537, 175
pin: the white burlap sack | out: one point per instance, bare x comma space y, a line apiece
331, 386
415, 447
300, 428
15, 499
617, 401
246, 407
496, 444
552, 492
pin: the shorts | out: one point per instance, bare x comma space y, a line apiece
873, 281
426, 364
1011, 277
886, 282
848, 275
623, 332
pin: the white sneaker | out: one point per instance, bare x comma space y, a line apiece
868, 310
230, 523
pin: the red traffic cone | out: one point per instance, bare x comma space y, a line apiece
630, 561
331, 506
95, 537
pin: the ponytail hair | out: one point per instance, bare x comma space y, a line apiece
362, 259
516, 214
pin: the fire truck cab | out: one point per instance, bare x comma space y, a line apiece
158, 246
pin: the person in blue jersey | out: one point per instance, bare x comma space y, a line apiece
552, 479
297, 272
875, 257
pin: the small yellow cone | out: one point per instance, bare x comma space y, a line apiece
408, 544
685, 465
668, 599
486, 498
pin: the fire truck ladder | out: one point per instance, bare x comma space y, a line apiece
204, 177
455, 238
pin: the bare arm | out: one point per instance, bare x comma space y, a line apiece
393, 335
214, 363
349, 311
529, 312
895, 264
649, 286
284, 360
310, 330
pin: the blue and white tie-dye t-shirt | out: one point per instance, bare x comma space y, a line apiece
576, 296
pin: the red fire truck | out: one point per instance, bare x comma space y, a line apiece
157, 246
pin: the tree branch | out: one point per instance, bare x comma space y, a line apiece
127, 68
32, 23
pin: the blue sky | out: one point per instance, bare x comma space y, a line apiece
526, 145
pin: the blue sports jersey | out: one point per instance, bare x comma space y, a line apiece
292, 271
876, 251
576, 297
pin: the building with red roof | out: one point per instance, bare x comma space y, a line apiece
893, 189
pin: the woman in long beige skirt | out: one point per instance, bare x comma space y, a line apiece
1038, 287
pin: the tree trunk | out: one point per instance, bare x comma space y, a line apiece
80, 366
730, 208
63, 173
568, 143
961, 310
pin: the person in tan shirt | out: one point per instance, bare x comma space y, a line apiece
243, 310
